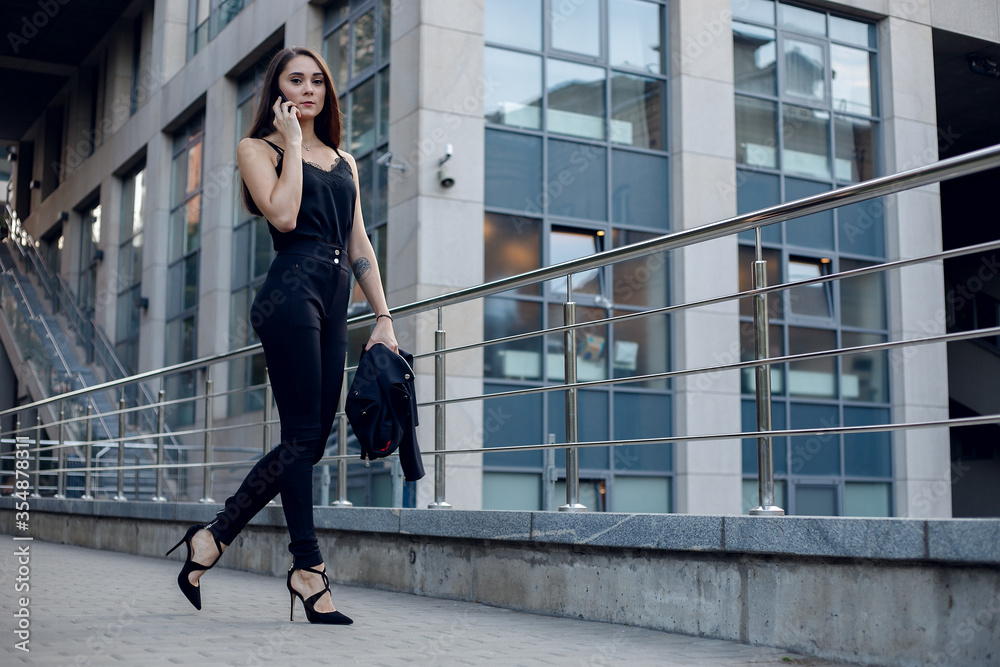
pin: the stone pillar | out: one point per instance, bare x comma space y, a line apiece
435, 235
702, 122
921, 459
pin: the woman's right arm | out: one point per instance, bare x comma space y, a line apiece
278, 198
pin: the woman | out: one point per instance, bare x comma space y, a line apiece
299, 313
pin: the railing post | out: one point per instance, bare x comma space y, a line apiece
87, 454
439, 417
161, 413
61, 458
765, 452
572, 453
120, 488
342, 500
38, 453
207, 477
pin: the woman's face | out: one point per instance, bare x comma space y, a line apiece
304, 85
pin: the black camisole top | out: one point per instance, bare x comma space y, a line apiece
326, 213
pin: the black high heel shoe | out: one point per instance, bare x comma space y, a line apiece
329, 617
192, 592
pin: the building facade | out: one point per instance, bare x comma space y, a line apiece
573, 126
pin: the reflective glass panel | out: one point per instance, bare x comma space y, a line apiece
756, 132
640, 183
811, 300
852, 79
521, 359
261, 248
641, 281
513, 22
577, 180
641, 347
643, 416
567, 244
813, 377
754, 59
761, 11
861, 228
365, 189
774, 300
575, 99
512, 420
811, 231
384, 29
862, 299
756, 191
514, 172
512, 491
748, 414
748, 352
591, 346
336, 46
513, 95
805, 69
364, 42
815, 500
855, 146
592, 424
383, 105
637, 117
513, 245
867, 499
641, 494
853, 32
865, 375
801, 19
576, 26
814, 454
363, 117
634, 35
806, 134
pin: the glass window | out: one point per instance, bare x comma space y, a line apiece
814, 377
641, 494
512, 491
513, 22
815, 500
512, 420
641, 347
754, 59
640, 185
756, 191
637, 117
364, 42
577, 180
515, 246
576, 26
862, 299
634, 35
568, 244
806, 135
643, 416
861, 228
801, 19
779, 445
748, 256
852, 32
855, 145
811, 300
514, 96
641, 281
514, 172
748, 352
383, 106
363, 117
592, 425
756, 132
761, 11
385, 30
867, 499
815, 454
805, 69
866, 374
336, 46
811, 231
519, 359
851, 71
575, 99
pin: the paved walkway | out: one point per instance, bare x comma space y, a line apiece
90, 607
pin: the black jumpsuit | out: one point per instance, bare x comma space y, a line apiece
300, 315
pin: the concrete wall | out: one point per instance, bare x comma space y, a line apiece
870, 591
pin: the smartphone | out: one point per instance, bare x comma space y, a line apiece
282, 95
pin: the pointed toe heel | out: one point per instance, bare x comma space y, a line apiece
190, 591
325, 617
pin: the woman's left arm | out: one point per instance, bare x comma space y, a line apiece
365, 267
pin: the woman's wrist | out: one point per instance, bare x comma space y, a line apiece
385, 315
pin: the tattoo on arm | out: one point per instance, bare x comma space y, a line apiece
361, 268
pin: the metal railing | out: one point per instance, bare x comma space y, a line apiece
946, 169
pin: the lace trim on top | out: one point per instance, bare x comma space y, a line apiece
334, 176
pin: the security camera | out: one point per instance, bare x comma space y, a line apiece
444, 179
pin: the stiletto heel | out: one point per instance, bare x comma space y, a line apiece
192, 592
309, 604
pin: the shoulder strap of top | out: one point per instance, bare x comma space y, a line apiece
280, 152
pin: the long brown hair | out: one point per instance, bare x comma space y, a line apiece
328, 126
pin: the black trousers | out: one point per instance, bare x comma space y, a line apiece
300, 316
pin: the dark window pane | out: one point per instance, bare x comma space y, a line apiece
513, 245
576, 99
514, 172
862, 299
754, 59
867, 454
852, 79
815, 500
815, 454
641, 347
384, 29
861, 228
363, 117
577, 180
813, 377
866, 374
637, 117
806, 134
810, 300
191, 281
756, 191
383, 105
566, 244
515, 420
748, 352
640, 184
748, 414
592, 425
576, 26
513, 95
643, 416
634, 35
811, 231
642, 281
756, 133
855, 149
514, 22
591, 346
365, 189
520, 359
761, 11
